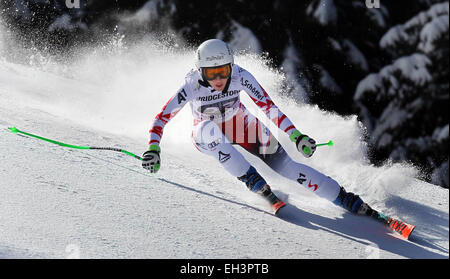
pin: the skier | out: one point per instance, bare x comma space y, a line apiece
221, 120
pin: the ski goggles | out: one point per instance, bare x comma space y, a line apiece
214, 72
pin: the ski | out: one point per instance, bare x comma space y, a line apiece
277, 206
403, 230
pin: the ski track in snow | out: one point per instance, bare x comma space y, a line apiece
57, 202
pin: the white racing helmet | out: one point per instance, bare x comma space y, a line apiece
213, 53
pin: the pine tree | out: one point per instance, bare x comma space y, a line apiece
405, 104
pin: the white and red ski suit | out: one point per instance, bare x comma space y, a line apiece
221, 120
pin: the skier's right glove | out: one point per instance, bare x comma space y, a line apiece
151, 160
305, 144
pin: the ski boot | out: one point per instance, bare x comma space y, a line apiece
352, 203
257, 184
355, 204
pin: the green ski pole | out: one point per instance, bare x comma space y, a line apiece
17, 131
307, 150
330, 143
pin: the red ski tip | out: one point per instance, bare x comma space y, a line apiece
401, 228
276, 206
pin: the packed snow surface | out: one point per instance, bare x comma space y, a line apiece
57, 202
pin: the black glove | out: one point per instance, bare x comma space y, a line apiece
151, 160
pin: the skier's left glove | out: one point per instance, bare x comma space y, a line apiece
305, 144
151, 160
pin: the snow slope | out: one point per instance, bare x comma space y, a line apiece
57, 202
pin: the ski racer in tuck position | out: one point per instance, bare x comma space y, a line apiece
221, 120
